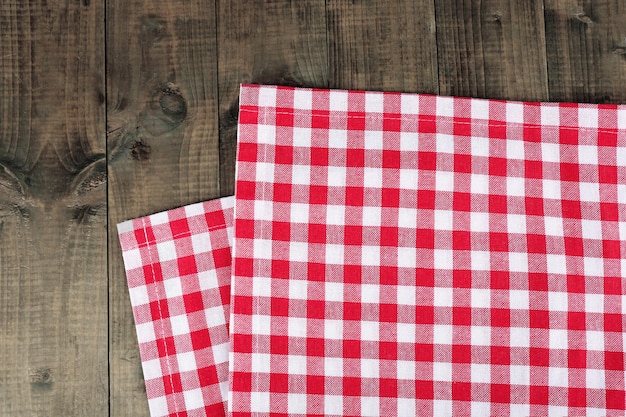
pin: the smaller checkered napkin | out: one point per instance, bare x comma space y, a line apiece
178, 269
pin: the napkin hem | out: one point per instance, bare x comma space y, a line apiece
415, 118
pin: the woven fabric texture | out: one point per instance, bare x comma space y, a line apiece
178, 266
401, 254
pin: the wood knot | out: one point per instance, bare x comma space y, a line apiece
41, 376
172, 102
620, 50
165, 109
140, 151
496, 17
153, 29
583, 18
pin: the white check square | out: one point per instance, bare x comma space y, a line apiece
445, 143
515, 149
166, 250
139, 295
370, 330
186, 361
374, 103
180, 324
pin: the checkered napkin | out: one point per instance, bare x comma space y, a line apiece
401, 254
178, 265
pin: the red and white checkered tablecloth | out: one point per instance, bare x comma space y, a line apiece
478, 270
178, 265
400, 254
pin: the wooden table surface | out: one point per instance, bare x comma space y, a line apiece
115, 109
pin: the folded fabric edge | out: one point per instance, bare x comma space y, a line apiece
591, 116
132, 225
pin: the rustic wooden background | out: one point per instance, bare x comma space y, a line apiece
114, 109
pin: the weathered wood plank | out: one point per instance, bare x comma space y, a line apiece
492, 49
586, 50
276, 42
162, 143
382, 45
53, 281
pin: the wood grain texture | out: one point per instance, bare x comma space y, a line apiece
492, 49
53, 285
382, 45
587, 50
162, 144
272, 42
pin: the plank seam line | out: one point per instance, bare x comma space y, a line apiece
217, 78
107, 190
